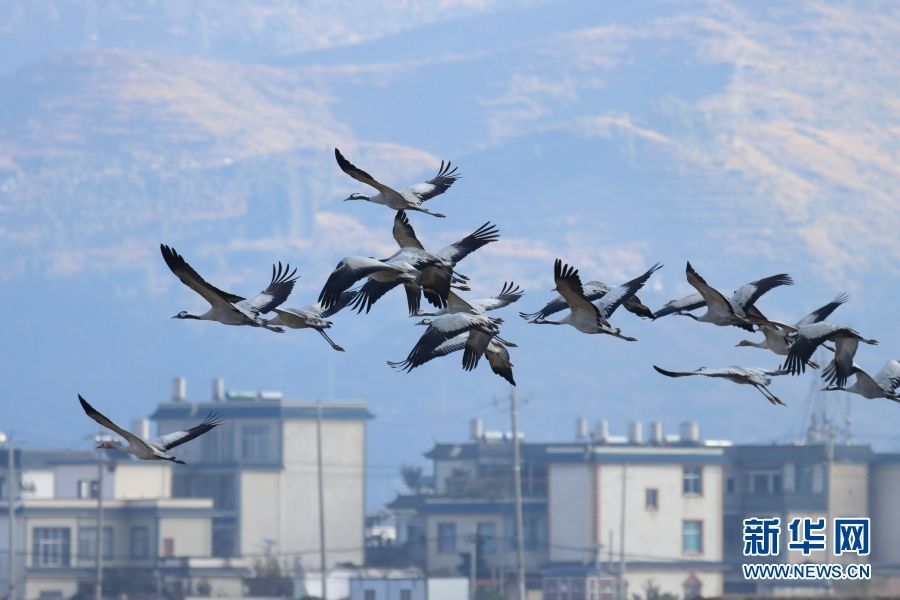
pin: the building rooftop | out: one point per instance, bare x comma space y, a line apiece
749, 454
261, 408
581, 451
252, 405
44, 458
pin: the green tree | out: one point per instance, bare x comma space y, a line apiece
412, 477
268, 580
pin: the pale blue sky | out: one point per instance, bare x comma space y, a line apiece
750, 141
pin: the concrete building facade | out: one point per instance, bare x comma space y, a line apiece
790, 481
260, 469
666, 499
144, 530
573, 509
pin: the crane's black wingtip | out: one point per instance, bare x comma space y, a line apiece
88, 409
342, 162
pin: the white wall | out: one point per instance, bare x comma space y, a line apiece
570, 507
388, 588
42, 482
67, 586
657, 534
448, 588
66, 479
311, 585
885, 514
283, 505
141, 480
192, 536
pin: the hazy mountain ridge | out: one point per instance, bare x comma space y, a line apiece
239, 30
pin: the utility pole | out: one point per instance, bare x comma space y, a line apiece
829, 457
11, 493
621, 586
323, 564
517, 486
98, 560
610, 551
472, 558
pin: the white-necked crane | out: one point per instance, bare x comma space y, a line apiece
679, 306
410, 198
758, 378
438, 276
805, 339
584, 315
155, 449
313, 317
740, 310
230, 309
593, 290
883, 384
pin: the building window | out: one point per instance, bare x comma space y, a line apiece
369, 595
255, 442
692, 537
766, 482
761, 483
218, 445
651, 498
729, 485
692, 482
168, 547
535, 532
224, 539
405, 594
140, 542
87, 543
88, 488
487, 537
447, 538
50, 546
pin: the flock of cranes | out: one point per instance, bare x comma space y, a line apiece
460, 324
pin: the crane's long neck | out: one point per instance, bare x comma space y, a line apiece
753, 344
546, 322
186, 315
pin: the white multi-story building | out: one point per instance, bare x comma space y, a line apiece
249, 489
147, 537
665, 494
651, 511
260, 469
